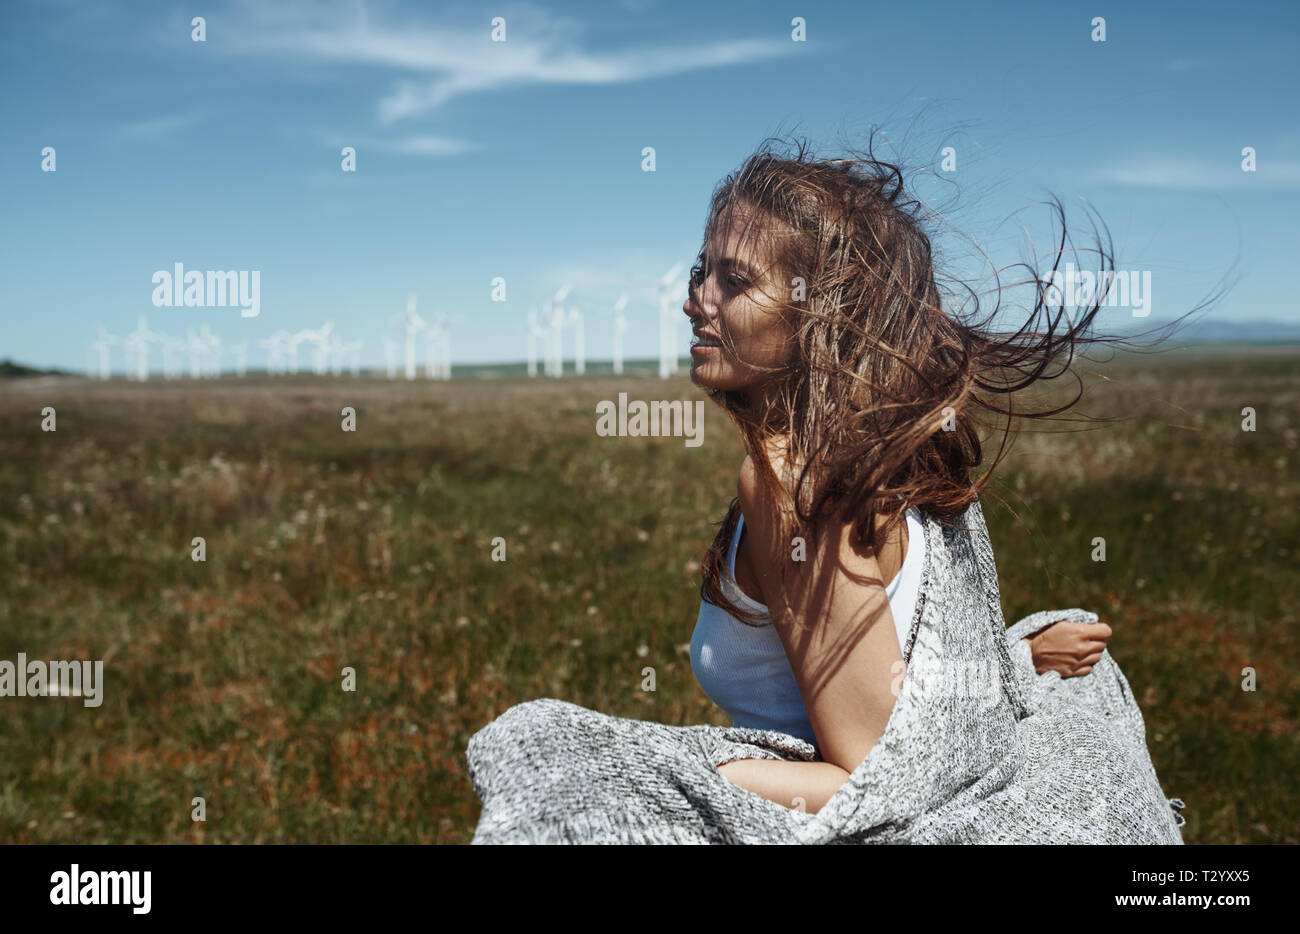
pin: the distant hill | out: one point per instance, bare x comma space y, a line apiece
1220, 331
10, 370
1265, 331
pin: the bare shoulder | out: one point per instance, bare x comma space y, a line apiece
757, 505
760, 548
750, 486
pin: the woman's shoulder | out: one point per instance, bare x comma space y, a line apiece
757, 504
763, 514
749, 491
749, 482
776, 449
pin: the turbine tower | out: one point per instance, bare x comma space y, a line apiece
194, 346
138, 342
353, 350
335, 350
100, 348
669, 288
293, 341
535, 333
210, 350
275, 346
620, 328
433, 348
390, 352
173, 357
320, 353
555, 347
579, 341
438, 364
412, 324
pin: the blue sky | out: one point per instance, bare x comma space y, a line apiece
522, 159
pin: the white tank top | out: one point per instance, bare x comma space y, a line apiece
744, 668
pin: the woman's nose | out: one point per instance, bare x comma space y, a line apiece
693, 307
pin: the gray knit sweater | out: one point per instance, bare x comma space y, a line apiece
978, 749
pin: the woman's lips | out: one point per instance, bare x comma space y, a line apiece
702, 346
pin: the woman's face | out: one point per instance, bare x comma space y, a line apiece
735, 295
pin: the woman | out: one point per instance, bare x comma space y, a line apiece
820, 330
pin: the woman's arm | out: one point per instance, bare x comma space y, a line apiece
845, 661
801, 786
1066, 647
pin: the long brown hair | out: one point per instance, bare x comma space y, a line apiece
880, 399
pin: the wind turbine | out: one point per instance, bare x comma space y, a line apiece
194, 345
445, 363
173, 349
320, 353
335, 351
620, 328
438, 363
100, 347
432, 350
138, 342
579, 341
294, 340
669, 289
412, 325
275, 347
555, 348
353, 350
535, 332
390, 351
210, 353
241, 358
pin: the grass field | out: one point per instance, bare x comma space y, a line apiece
372, 550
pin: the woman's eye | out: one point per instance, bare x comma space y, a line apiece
699, 273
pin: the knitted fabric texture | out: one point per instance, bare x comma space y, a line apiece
979, 748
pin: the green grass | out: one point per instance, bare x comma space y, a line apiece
372, 549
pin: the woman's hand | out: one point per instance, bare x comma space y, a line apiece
1070, 649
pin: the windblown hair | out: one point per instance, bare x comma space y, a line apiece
880, 398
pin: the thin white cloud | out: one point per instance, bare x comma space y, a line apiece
419, 145
438, 64
156, 129
1190, 175
423, 146
518, 67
